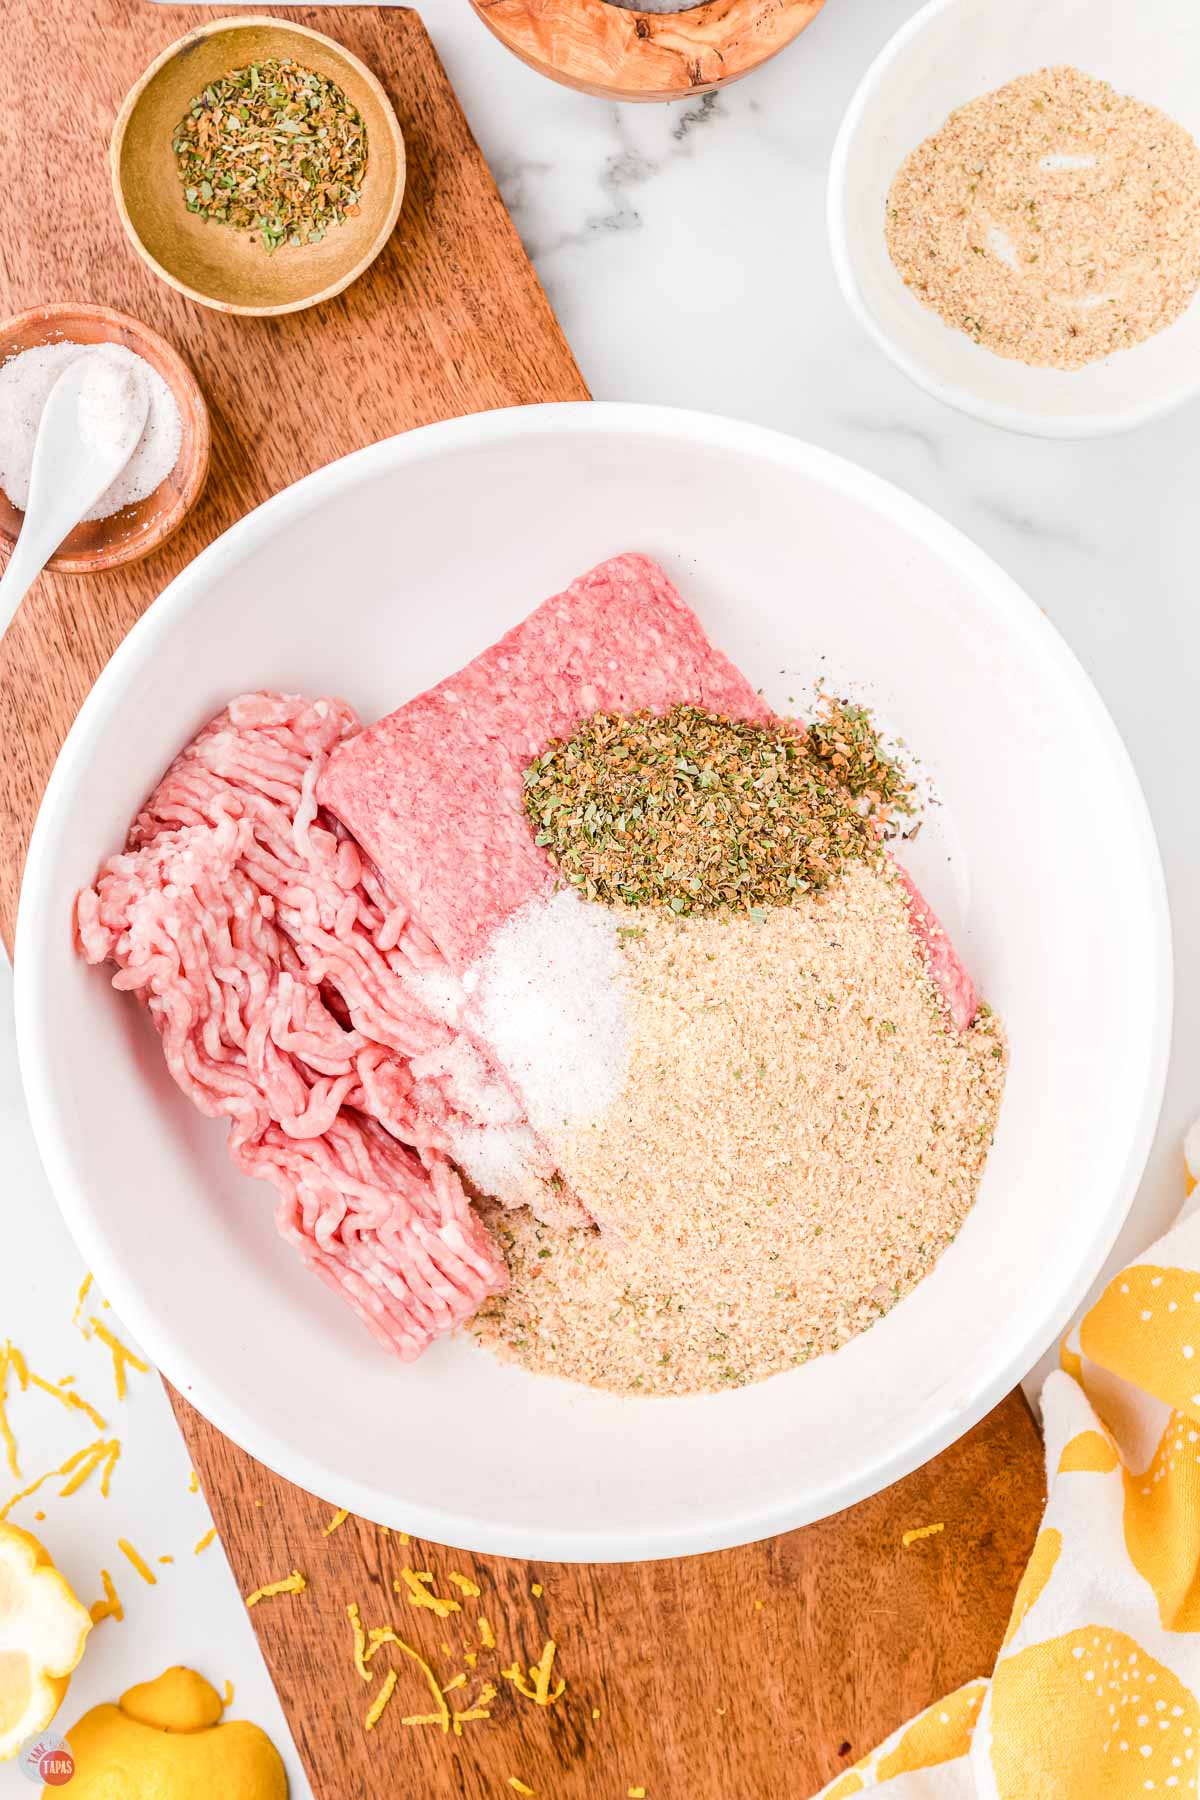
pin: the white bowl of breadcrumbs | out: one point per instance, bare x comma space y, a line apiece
1014, 210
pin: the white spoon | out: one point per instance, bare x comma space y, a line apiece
89, 429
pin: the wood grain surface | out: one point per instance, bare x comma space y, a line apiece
623, 54
758, 1672
701, 1692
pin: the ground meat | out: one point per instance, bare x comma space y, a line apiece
434, 791
282, 978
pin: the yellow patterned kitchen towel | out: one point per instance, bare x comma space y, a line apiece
1094, 1695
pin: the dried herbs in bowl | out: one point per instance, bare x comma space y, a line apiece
272, 148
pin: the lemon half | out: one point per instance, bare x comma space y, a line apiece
43, 1629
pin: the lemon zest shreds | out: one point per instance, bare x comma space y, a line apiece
339, 1518
380, 1701
73, 1402
536, 1590
84, 1289
518, 1786
110, 1607
66, 1381
193, 1484
227, 1696
921, 1531
120, 1354
139, 1562
205, 1541
596, 1712
385, 1635
166, 1559
471, 1658
39, 1514
20, 1366
290, 1584
360, 1641
458, 1681
487, 1636
464, 1586
404, 1537
78, 1468
6, 1435
97, 1453
637, 1793
418, 1586
537, 1688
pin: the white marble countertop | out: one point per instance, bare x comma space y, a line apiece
684, 250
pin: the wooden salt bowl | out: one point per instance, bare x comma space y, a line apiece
618, 54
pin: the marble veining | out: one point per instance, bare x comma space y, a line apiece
684, 250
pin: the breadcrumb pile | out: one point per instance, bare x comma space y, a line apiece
799, 1136
1054, 220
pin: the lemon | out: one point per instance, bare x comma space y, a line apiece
163, 1741
43, 1629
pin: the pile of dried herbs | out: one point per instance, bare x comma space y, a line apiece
704, 814
273, 148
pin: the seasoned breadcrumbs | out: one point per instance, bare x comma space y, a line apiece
800, 1135
1053, 220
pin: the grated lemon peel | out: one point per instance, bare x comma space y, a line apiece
537, 1688
139, 1562
920, 1531
77, 1468
418, 1585
294, 1583
339, 1518
381, 1699
122, 1356
110, 1607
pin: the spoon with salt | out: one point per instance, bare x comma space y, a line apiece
90, 425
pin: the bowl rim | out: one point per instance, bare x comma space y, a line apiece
150, 1322
710, 44
216, 28
181, 381
1028, 421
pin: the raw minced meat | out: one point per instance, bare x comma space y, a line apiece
276, 969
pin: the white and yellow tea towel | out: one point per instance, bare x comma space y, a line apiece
1095, 1693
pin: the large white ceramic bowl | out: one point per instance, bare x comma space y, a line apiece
382, 573
951, 52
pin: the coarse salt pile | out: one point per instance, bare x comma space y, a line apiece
800, 1133
25, 384
551, 1005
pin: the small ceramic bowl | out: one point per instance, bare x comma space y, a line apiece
136, 530
216, 264
953, 51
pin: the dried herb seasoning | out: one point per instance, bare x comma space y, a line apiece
701, 813
272, 148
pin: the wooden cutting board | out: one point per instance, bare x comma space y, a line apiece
760, 1671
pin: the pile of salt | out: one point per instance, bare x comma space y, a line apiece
25, 384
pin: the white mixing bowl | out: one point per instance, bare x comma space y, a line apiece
382, 573
951, 52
